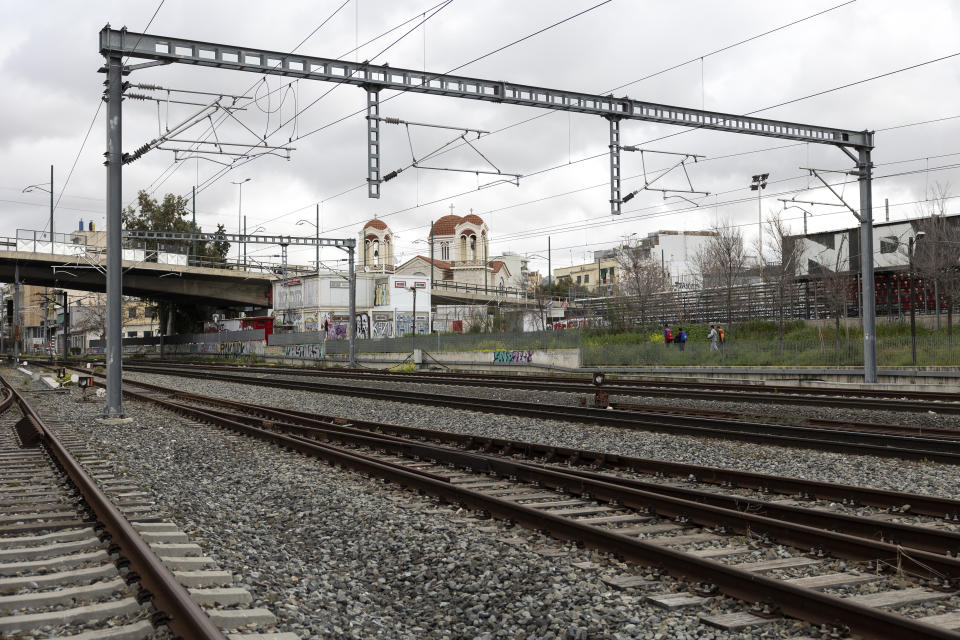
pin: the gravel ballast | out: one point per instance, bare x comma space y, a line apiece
886, 473
337, 555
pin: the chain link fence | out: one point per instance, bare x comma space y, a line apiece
891, 352
568, 339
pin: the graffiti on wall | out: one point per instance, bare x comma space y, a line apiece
310, 322
304, 351
512, 357
363, 325
234, 348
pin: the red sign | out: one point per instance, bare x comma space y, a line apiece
420, 285
400, 284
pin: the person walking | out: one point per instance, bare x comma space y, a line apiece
681, 338
667, 335
712, 337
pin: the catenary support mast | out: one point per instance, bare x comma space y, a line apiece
159, 50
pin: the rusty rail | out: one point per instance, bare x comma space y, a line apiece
174, 606
800, 602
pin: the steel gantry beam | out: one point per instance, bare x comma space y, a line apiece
159, 50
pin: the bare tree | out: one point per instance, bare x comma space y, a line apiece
722, 262
935, 256
640, 278
779, 266
835, 280
92, 316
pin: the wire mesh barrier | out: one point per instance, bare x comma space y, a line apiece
569, 339
931, 350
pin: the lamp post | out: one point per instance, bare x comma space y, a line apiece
240, 184
42, 187
316, 228
913, 312
759, 184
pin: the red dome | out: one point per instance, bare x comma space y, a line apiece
376, 224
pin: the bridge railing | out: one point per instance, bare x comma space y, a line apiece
33, 241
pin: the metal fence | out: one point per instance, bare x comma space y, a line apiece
569, 339
891, 352
222, 337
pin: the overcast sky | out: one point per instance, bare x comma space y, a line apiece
51, 89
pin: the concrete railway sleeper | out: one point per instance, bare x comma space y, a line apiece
905, 447
925, 538
84, 553
899, 400
421, 467
894, 502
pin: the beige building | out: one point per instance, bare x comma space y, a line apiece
598, 276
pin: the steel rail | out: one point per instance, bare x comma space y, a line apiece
885, 445
174, 605
916, 537
897, 500
799, 602
623, 386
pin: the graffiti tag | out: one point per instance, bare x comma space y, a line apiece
512, 357
304, 351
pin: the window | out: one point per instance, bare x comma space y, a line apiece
888, 244
586, 279
131, 334
132, 312
578, 279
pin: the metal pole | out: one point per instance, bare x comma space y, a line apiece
352, 328
549, 263
886, 206
51, 208
804, 221
414, 325
239, 209
114, 351
193, 200
760, 225
244, 242
16, 313
318, 239
866, 269
913, 311
66, 327
431, 276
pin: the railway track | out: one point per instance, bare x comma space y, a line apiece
733, 549
900, 400
867, 440
85, 554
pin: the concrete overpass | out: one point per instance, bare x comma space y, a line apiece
184, 283
446, 292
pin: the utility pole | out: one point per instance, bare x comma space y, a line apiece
352, 324
66, 327
114, 407
414, 325
431, 277
759, 184
868, 295
51, 208
318, 237
16, 313
549, 264
244, 242
193, 200
240, 229
913, 311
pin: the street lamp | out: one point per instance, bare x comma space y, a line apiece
913, 313
43, 187
759, 184
316, 228
239, 217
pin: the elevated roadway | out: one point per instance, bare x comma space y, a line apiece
226, 287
